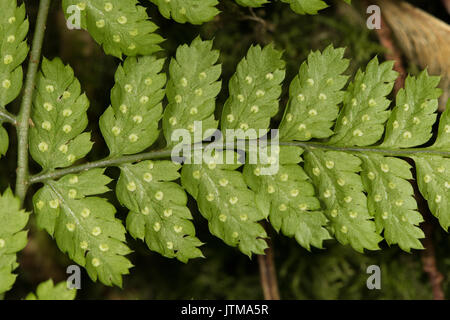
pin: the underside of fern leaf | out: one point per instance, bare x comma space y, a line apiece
12, 237
85, 227
341, 153
158, 211
192, 11
13, 50
120, 26
355, 173
289, 198
225, 201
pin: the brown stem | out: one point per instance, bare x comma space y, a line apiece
429, 262
268, 274
267, 26
446, 4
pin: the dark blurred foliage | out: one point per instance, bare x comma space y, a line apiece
336, 272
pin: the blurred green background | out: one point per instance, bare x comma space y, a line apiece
337, 272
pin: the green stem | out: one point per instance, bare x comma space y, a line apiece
8, 117
109, 162
25, 109
165, 153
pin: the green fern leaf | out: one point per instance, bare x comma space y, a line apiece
361, 121
410, 125
254, 89
314, 96
443, 138
306, 6
335, 174
12, 237
158, 211
290, 198
229, 206
414, 114
433, 173
83, 226
59, 117
433, 179
49, 291
391, 200
192, 89
13, 51
4, 141
252, 3
130, 125
120, 26
192, 11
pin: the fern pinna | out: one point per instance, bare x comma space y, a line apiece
343, 171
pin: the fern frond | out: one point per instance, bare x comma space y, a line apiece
391, 200
120, 26
410, 125
59, 117
158, 211
225, 201
314, 96
352, 186
252, 3
13, 51
361, 121
192, 89
49, 291
199, 11
12, 237
306, 6
254, 89
289, 199
340, 188
84, 227
413, 116
192, 11
433, 178
130, 124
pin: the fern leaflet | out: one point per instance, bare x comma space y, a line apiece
49, 291
192, 89
12, 237
158, 211
13, 51
59, 117
130, 125
120, 26
192, 11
